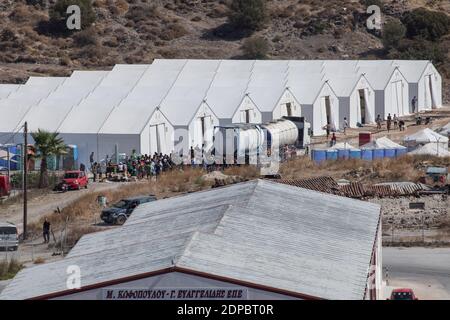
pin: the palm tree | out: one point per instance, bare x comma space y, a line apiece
47, 144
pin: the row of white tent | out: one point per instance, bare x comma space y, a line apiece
175, 104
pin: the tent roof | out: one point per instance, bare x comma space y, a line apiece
6, 89
90, 114
425, 136
247, 232
412, 69
22, 99
383, 143
50, 112
432, 149
189, 91
343, 146
134, 111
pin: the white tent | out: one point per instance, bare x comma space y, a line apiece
269, 90
356, 98
387, 143
50, 112
427, 136
138, 115
227, 95
186, 109
425, 83
19, 102
391, 88
320, 105
432, 149
7, 89
82, 124
343, 146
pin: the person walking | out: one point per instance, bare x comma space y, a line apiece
389, 122
395, 122
413, 104
345, 125
379, 122
333, 140
46, 231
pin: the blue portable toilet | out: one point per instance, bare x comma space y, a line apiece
367, 154
400, 152
332, 154
355, 154
389, 153
378, 154
319, 155
343, 153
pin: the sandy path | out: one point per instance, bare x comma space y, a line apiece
45, 204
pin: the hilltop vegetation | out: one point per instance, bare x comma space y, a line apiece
33, 39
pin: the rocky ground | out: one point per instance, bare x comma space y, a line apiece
138, 31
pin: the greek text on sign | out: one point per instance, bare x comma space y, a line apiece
175, 294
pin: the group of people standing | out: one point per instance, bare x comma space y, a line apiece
139, 166
391, 122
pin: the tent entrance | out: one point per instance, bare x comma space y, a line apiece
157, 138
362, 104
328, 110
289, 109
397, 98
430, 102
245, 116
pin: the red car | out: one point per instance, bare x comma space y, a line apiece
5, 187
75, 180
403, 294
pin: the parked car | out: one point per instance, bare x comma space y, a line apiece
403, 294
9, 237
120, 211
73, 180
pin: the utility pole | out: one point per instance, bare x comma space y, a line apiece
25, 178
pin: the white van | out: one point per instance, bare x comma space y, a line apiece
9, 238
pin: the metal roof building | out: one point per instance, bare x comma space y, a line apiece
269, 240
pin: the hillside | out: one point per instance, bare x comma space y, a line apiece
138, 31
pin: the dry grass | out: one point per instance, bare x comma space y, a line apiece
407, 168
39, 260
8, 269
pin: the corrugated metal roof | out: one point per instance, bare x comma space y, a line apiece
260, 232
357, 189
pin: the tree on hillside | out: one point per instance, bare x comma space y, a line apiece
47, 144
58, 14
248, 14
426, 24
393, 32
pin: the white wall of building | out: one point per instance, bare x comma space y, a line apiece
176, 280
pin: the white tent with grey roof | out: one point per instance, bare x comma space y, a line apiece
82, 124
356, 98
391, 88
320, 104
425, 83
186, 109
20, 101
246, 237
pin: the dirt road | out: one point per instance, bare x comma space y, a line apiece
44, 204
425, 270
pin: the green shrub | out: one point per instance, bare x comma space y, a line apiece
426, 24
248, 14
393, 32
255, 48
408, 49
